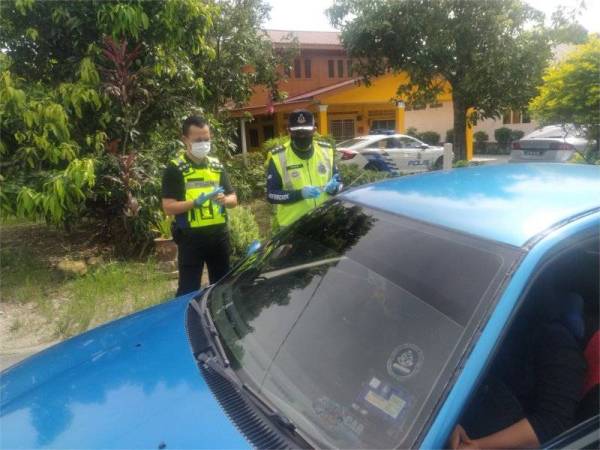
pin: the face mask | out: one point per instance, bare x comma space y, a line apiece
200, 149
302, 141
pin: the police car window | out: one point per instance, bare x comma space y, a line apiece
407, 142
351, 321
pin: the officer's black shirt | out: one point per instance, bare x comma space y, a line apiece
173, 186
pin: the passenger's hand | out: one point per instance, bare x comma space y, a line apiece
332, 185
310, 192
460, 440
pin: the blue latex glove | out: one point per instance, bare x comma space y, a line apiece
202, 198
332, 185
310, 192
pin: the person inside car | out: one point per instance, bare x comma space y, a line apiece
532, 391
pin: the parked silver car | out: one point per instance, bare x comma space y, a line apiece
552, 143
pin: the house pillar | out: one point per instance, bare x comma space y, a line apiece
469, 136
323, 127
400, 119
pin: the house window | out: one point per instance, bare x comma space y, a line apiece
297, 68
307, 68
435, 105
381, 124
516, 117
253, 132
269, 132
331, 68
350, 71
342, 129
341, 68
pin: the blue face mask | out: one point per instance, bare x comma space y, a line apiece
200, 149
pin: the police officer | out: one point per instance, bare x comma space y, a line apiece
197, 191
300, 174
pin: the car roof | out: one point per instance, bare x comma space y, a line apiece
510, 203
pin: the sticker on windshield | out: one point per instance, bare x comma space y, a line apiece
335, 417
406, 360
384, 400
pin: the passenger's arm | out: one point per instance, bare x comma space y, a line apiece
518, 435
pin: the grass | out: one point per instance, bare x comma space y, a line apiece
37, 298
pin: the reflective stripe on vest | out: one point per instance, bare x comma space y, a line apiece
297, 173
197, 181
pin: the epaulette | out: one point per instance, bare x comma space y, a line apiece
182, 165
324, 143
278, 149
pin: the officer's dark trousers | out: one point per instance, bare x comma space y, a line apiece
196, 250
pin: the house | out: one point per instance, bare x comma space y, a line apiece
322, 81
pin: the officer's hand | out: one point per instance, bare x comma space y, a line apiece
201, 199
333, 185
220, 198
310, 192
216, 192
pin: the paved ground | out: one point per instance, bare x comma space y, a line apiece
9, 359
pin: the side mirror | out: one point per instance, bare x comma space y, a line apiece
253, 247
424, 146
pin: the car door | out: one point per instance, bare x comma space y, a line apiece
382, 155
412, 153
586, 435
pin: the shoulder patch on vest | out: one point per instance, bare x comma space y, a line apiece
278, 149
182, 165
324, 143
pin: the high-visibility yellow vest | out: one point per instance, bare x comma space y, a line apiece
201, 180
297, 173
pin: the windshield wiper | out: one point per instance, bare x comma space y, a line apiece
215, 358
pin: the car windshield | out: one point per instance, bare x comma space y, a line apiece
352, 321
351, 142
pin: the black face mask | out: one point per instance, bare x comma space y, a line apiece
301, 141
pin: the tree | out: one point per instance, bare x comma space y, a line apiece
570, 93
490, 53
92, 94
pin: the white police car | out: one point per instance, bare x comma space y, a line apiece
390, 153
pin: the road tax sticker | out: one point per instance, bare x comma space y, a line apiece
384, 400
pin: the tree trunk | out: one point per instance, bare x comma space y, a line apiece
460, 125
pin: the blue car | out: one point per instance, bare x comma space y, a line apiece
369, 323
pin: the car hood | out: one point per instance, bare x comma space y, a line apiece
132, 383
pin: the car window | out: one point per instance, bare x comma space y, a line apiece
382, 143
351, 321
351, 142
407, 142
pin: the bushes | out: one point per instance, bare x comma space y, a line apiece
481, 138
352, 175
450, 136
429, 137
515, 135
502, 136
243, 229
248, 182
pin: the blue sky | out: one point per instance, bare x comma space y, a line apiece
310, 14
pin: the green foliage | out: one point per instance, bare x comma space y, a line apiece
461, 163
503, 137
429, 137
515, 135
491, 53
352, 175
480, 137
412, 131
243, 229
162, 225
249, 181
92, 142
570, 93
